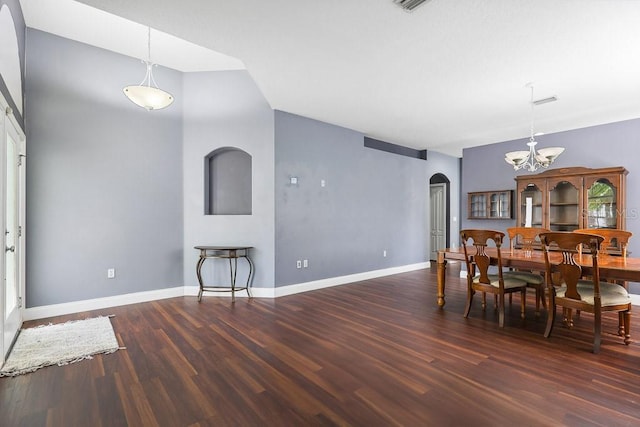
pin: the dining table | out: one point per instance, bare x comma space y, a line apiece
614, 267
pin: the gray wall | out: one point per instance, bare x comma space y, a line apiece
226, 109
613, 144
18, 22
113, 186
104, 176
373, 201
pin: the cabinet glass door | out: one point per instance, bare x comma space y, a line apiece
478, 206
564, 212
500, 205
531, 206
601, 205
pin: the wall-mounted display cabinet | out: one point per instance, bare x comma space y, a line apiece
490, 205
570, 198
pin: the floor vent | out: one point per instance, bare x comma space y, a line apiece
409, 5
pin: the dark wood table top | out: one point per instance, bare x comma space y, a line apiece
610, 266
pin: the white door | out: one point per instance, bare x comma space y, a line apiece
13, 217
438, 209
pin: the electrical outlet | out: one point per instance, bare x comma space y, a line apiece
298, 264
384, 253
305, 263
111, 273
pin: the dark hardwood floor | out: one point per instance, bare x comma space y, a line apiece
372, 353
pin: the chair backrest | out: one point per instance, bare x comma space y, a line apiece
571, 246
615, 241
478, 258
528, 236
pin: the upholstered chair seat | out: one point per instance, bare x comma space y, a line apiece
610, 293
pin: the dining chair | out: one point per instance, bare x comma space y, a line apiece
571, 251
615, 241
480, 276
528, 238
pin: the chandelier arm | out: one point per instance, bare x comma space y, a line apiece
151, 79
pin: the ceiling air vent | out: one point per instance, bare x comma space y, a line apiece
545, 100
409, 5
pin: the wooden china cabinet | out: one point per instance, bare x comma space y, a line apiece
570, 198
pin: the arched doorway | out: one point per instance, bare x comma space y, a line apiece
439, 224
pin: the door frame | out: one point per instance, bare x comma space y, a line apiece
439, 178
8, 123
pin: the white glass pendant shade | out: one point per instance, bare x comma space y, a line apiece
549, 153
148, 97
516, 158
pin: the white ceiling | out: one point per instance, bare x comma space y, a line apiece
450, 75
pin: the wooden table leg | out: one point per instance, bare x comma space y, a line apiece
442, 267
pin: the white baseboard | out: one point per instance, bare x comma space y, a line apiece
42, 312
342, 280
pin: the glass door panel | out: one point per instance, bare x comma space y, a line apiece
564, 212
601, 205
531, 206
478, 206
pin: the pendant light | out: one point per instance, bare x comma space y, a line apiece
147, 94
531, 159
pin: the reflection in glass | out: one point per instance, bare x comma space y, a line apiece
601, 205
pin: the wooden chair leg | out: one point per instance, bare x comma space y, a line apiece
627, 325
484, 301
467, 308
568, 317
621, 327
551, 316
523, 302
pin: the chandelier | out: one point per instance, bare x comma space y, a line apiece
147, 94
531, 160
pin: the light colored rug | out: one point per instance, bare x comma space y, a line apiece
59, 344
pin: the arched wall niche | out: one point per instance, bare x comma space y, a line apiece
228, 182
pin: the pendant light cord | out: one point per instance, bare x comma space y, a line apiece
532, 112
